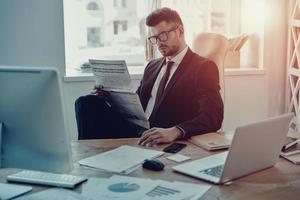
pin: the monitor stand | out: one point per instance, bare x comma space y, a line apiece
1, 127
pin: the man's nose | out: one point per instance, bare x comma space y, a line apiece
159, 43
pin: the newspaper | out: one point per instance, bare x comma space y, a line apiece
113, 75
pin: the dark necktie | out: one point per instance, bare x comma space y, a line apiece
164, 81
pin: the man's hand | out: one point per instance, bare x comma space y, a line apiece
156, 136
97, 90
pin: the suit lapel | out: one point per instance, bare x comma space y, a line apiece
152, 78
181, 68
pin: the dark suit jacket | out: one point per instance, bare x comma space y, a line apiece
191, 99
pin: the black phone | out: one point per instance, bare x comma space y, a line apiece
174, 148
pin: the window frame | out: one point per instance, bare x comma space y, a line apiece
235, 10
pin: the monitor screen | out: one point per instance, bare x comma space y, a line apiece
33, 133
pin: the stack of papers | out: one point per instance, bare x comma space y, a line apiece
123, 159
124, 187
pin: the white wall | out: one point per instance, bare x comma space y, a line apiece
31, 34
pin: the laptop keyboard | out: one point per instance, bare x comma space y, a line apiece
214, 171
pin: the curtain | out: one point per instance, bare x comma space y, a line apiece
275, 54
151, 49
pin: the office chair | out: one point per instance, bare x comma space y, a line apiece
214, 47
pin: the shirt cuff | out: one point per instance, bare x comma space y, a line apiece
183, 133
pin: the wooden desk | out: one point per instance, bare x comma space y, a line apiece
279, 182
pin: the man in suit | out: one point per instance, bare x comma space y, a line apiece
179, 91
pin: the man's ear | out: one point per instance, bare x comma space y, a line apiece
181, 30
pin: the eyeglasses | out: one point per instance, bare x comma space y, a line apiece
162, 37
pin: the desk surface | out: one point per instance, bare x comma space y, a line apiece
279, 182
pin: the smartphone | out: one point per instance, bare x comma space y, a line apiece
174, 148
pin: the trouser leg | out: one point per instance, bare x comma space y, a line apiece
96, 120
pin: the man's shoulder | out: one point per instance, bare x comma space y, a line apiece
154, 63
197, 59
201, 64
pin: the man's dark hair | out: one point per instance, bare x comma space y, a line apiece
163, 14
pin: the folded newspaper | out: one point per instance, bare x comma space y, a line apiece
113, 75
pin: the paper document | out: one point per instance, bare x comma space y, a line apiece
292, 154
91, 187
54, 194
113, 75
178, 157
195, 190
176, 191
9, 191
122, 187
120, 160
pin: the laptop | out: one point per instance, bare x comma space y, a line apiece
254, 147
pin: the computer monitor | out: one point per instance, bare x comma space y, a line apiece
34, 134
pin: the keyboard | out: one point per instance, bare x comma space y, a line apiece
46, 178
214, 171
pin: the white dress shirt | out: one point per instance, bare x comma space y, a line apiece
177, 60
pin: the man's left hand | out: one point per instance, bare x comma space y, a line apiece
156, 136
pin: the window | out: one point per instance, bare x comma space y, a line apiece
203, 16
92, 6
231, 18
93, 37
124, 3
120, 25
106, 29
120, 3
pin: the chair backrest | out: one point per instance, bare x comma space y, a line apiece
214, 47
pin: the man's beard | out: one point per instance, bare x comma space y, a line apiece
168, 50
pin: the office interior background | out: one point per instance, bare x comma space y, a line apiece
65, 34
